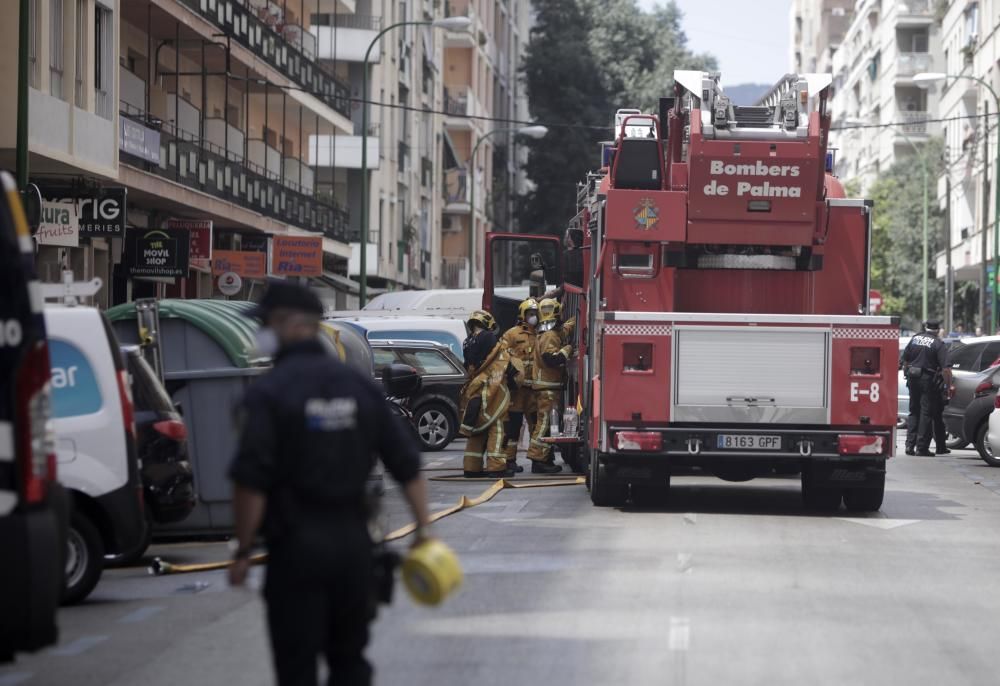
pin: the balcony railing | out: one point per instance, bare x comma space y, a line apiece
260, 26
364, 22
916, 8
911, 63
455, 187
453, 270
456, 101
200, 164
916, 122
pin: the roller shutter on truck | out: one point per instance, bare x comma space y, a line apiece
751, 374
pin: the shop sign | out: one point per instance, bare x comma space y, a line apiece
249, 265
59, 225
138, 140
254, 243
230, 283
101, 210
157, 252
201, 240
297, 255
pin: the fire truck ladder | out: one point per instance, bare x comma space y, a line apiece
782, 114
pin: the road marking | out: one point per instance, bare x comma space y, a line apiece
80, 645
879, 523
680, 634
195, 587
141, 615
15, 678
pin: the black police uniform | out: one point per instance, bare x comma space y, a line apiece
311, 430
924, 358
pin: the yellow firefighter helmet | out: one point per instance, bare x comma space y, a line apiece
549, 310
483, 318
525, 307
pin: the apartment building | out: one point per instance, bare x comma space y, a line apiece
887, 43
480, 72
241, 121
970, 50
817, 28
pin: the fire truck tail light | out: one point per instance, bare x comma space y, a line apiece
860, 445
645, 441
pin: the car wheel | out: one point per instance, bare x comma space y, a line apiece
603, 492
983, 446
84, 559
956, 442
435, 426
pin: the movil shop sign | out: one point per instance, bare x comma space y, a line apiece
741, 180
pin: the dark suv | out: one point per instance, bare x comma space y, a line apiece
435, 406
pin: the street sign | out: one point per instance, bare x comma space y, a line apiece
159, 252
874, 301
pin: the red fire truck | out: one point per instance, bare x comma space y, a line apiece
720, 278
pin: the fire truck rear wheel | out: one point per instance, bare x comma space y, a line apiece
865, 499
819, 496
603, 491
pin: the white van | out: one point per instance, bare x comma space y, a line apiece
92, 419
447, 329
460, 301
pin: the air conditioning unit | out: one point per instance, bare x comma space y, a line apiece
448, 225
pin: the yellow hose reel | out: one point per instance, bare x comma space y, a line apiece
431, 572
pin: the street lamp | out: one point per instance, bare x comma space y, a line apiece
923, 167
927, 78
534, 131
448, 24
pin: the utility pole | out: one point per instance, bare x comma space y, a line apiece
24, 34
949, 278
985, 310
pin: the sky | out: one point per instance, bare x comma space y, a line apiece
748, 37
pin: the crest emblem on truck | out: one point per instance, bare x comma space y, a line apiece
646, 214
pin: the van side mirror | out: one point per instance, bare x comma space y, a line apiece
400, 380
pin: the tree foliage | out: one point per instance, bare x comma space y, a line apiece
897, 236
585, 59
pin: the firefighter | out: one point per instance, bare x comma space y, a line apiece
311, 428
549, 364
485, 398
520, 342
925, 365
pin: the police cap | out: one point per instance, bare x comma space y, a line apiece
932, 325
289, 296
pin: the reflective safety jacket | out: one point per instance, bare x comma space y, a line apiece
520, 341
551, 355
487, 385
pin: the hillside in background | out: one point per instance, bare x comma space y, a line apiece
746, 93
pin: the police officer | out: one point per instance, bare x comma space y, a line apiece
520, 342
311, 428
925, 365
485, 398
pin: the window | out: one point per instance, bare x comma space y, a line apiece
56, 50
383, 358
444, 337
989, 357
429, 362
104, 45
962, 356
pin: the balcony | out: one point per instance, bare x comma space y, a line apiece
454, 272
343, 152
347, 37
915, 123
910, 63
915, 12
455, 191
459, 105
278, 188
225, 137
262, 27
462, 39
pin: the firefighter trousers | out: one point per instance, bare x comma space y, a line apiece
546, 401
523, 406
489, 443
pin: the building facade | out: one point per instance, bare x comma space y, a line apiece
241, 120
817, 29
886, 44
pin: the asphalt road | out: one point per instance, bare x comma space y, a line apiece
726, 583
